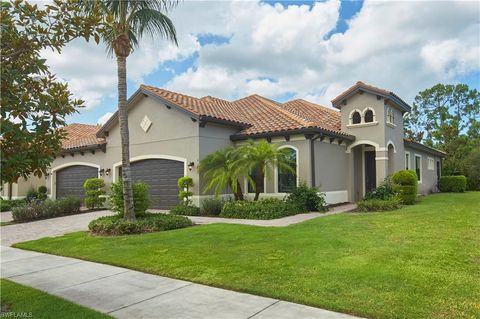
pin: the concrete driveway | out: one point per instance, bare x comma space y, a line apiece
48, 227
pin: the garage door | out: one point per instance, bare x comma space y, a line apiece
161, 175
70, 180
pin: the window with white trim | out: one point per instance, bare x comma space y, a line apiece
418, 167
407, 160
390, 116
287, 180
431, 163
356, 118
369, 116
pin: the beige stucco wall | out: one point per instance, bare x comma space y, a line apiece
428, 183
20, 189
330, 164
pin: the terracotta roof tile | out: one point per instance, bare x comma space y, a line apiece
318, 115
81, 135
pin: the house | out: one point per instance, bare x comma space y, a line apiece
346, 150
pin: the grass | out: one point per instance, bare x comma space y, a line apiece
18, 300
421, 261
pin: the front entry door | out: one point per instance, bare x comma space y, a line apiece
370, 171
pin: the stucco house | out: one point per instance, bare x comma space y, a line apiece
346, 150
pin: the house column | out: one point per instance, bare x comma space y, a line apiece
381, 163
351, 176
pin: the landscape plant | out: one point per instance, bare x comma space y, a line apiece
268, 208
310, 198
378, 205
185, 194
187, 210
405, 186
94, 192
126, 23
456, 184
141, 197
42, 192
47, 209
211, 206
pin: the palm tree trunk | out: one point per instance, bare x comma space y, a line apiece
239, 193
129, 213
258, 179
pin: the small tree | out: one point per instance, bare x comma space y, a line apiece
141, 197
42, 192
94, 191
184, 184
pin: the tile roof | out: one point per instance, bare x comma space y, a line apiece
259, 114
80, 136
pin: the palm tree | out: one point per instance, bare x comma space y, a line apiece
220, 172
127, 21
263, 156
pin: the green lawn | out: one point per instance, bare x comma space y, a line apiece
421, 261
32, 303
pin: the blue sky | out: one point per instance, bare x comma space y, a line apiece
274, 53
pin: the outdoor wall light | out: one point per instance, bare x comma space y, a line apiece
102, 171
107, 172
190, 166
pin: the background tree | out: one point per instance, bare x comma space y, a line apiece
34, 103
221, 173
263, 157
447, 117
127, 21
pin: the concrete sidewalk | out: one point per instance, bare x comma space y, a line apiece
125, 293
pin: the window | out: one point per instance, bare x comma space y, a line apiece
407, 161
258, 184
390, 116
356, 118
368, 116
431, 163
288, 180
418, 167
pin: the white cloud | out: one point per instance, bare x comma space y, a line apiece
104, 118
275, 50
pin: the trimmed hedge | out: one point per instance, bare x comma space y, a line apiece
456, 184
187, 210
378, 205
94, 191
307, 197
47, 209
268, 208
405, 185
145, 223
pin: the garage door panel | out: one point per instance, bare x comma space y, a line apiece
161, 175
69, 180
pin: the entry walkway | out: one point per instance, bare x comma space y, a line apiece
125, 293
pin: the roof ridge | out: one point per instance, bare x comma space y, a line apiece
314, 104
294, 117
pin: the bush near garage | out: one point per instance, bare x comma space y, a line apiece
268, 208
145, 223
378, 205
8, 204
307, 197
46, 209
405, 185
42, 192
94, 191
31, 195
211, 206
141, 197
455, 184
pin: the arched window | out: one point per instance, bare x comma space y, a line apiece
356, 117
368, 116
390, 116
287, 180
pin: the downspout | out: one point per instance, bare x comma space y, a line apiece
312, 157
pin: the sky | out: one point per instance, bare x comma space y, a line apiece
286, 50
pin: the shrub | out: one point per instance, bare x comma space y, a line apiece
405, 186
211, 207
378, 205
187, 210
472, 170
184, 184
145, 223
384, 191
7, 205
456, 184
94, 191
31, 194
46, 209
307, 197
268, 208
42, 192
141, 198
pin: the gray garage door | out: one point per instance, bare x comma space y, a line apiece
70, 180
161, 175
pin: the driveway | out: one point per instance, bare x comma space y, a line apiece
48, 227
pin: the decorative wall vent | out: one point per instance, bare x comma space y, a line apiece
145, 124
